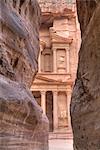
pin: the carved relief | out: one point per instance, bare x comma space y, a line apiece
61, 60
62, 109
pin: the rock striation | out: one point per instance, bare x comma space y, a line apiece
85, 105
22, 123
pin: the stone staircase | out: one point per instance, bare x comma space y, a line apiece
61, 134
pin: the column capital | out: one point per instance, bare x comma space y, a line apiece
43, 92
55, 92
54, 49
69, 91
67, 48
69, 88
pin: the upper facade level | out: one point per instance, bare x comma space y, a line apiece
59, 39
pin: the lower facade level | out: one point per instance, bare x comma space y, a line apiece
56, 105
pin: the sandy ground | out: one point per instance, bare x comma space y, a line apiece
60, 145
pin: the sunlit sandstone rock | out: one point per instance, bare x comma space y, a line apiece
85, 106
59, 46
22, 124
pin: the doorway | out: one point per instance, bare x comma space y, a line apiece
49, 109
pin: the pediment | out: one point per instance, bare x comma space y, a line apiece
41, 79
60, 39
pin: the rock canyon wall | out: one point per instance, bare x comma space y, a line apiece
85, 105
22, 124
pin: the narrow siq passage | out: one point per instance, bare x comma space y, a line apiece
44, 66
57, 65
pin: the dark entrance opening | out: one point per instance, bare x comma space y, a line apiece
37, 96
49, 109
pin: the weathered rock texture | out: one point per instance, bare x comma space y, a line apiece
85, 106
22, 124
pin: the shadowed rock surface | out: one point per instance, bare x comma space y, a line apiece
22, 124
85, 105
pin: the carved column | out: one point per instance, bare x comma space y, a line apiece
68, 60
55, 110
41, 57
54, 60
68, 106
39, 63
43, 101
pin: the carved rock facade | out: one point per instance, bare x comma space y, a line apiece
22, 124
85, 106
60, 40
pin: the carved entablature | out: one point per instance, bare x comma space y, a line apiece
58, 33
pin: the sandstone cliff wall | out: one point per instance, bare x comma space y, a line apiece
85, 105
22, 124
